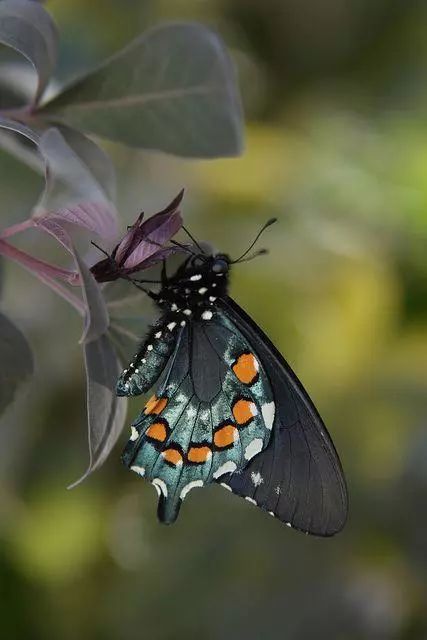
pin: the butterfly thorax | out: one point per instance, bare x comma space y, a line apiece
195, 287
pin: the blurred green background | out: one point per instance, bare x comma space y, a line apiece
335, 96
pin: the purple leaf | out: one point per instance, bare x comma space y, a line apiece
143, 244
88, 215
152, 235
69, 179
96, 314
35, 265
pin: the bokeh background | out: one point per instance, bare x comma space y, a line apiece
335, 97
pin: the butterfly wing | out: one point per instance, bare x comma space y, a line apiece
212, 412
298, 478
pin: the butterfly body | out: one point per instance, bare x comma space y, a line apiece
227, 409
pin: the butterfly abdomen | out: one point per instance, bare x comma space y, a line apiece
148, 362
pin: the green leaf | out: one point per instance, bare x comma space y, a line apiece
96, 318
173, 89
69, 178
97, 162
106, 412
28, 28
22, 129
16, 360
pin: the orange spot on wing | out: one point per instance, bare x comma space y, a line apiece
199, 454
225, 436
246, 368
157, 431
244, 411
173, 456
155, 405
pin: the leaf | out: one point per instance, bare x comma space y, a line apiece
16, 359
106, 412
145, 239
68, 170
96, 160
22, 129
29, 29
96, 317
70, 179
173, 89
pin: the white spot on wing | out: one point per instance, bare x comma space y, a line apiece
187, 312
251, 500
227, 467
253, 409
268, 411
171, 325
191, 412
139, 470
182, 323
158, 334
149, 347
253, 448
133, 434
160, 487
257, 478
207, 315
196, 277
202, 290
174, 307
189, 486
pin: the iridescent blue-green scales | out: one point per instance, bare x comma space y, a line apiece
213, 408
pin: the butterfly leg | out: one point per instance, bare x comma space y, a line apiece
164, 275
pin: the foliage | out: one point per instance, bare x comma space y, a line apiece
172, 89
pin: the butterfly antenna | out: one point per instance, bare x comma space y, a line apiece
101, 250
261, 252
187, 249
193, 239
260, 232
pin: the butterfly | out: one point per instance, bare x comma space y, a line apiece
227, 408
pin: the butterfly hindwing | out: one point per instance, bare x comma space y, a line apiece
298, 478
212, 412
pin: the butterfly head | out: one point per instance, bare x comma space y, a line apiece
220, 263
215, 264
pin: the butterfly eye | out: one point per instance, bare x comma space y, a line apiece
220, 266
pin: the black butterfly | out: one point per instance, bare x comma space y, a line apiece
227, 408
